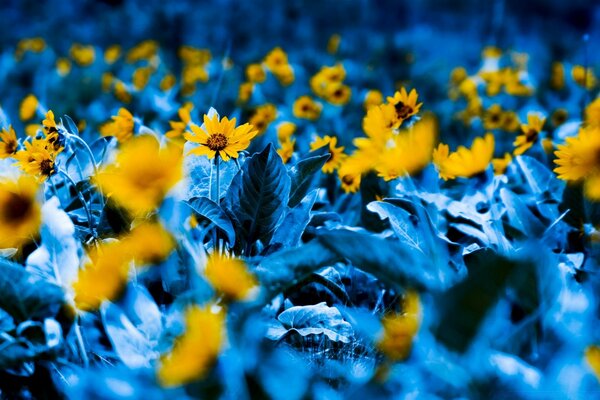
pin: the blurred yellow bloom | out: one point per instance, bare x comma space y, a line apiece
510, 121
263, 115
336, 154
464, 162
8, 142
20, 215
405, 105
577, 160
148, 243
493, 117
220, 137
35, 45
121, 126
500, 164
285, 130
584, 77
592, 356
400, 329
245, 91
531, 133
112, 54
142, 174
379, 122
408, 152
286, 149
141, 77
196, 351
179, 127
63, 66
103, 276
142, 51
372, 98
255, 73
333, 44
195, 56
592, 113
276, 59
121, 92
327, 76
230, 276
284, 74
557, 76
306, 108
167, 82
28, 108
83, 55
351, 171
338, 94
559, 117
107, 81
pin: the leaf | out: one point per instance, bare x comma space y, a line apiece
70, 125
27, 296
202, 175
213, 212
399, 221
302, 173
318, 319
519, 216
395, 262
258, 196
290, 231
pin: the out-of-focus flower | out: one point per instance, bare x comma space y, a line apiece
400, 329
592, 357
142, 51
285, 130
351, 171
63, 66
179, 127
141, 77
338, 94
306, 108
492, 118
464, 162
531, 132
167, 82
584, 77
245, 92
230, 276
405, 104
83, 55
112, 54
28, 108
220, 137
500, 164
286, 150
20, 215
372, 98
121, 126
8, 142
263, 115
333, 44
409, 151
510, 121
557, 76
34, 45
121, 92
255, 73
194, 352
141, 175
578, 160
103, 276
148, 243
592, 113
336, 154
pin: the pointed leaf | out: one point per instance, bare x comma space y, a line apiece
213, 212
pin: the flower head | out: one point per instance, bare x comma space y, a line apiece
220, 137
405, 104
28, 108
148, 243
531, 132
20, 215
8, 142
121, 126
38, 158
336, 154
230, 276
400, 329
306, 108
464, 162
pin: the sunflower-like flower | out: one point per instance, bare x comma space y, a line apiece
8, 142
28, 108
405, 105
103, 276
121, 126
531, 133
230, 276
179, 127
148, 243
351, 171
220, 137
409, 151
196, 350
263, 115
38, 157
306, 108
20, 215
500, 164
142, 174
399, 329
493, 117
372, 98
286, 150
336, 153
579, 160
464, 162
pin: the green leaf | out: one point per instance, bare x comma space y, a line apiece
27, 296
302, 173
213, 212
257, 197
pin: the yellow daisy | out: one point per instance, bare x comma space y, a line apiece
531, 132
464, 162
8, 142
400, 329
405, 105
306, 108
230, 276
336, 153
20, 215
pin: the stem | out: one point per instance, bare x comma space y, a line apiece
81, 345
82, 199
93, 160
217, 197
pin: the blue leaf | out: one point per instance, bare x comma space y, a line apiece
215, 214
290, 231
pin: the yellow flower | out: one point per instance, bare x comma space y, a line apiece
63, 66
306, 108
338, 94
284, 74
333, 44
37, 158
372, 98
121, 92
28, 107
408, 152
578, 160
167, 82
584, 77
458, 75
35, 45
255, 73
112, 54
557, 76
142, 174
220, 137
286, 150
192, 55
245, 91
464, 162
510, 121
492, 118
276, 59
351, 170
121, 126
107, 81
327, 76
230, 276
336, 153
592, 113
500, 164
262, 117
178, 127
400, 329
559, 117
531, 132
379, 122
142, 51
82, 55
20, 215
141, 77
33, 129
405, 105
8, 142
148, 243
592, 356
285, 130
194, 352
103, 277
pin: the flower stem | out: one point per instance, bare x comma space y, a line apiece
80, 344
82, 199
216, 198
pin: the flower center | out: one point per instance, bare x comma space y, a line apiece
532, 135
11, 147
402, 110
46, 167
217, 142
16, 208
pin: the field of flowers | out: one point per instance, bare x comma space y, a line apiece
299, 200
